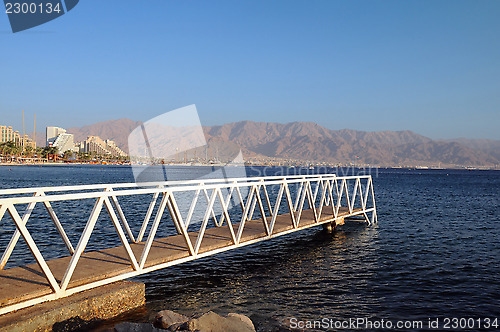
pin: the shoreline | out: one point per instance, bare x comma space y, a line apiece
416, 168
62, 164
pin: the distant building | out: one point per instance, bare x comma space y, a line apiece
65, 142
8, 134
99, 146
52, 133
27, 141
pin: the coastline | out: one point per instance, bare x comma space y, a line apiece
470, 168
62, 164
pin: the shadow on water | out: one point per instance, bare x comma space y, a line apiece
310, 272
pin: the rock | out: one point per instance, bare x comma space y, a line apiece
271, 324
75, 324
212, 322
244, 319
176, 327
167, 318
136, 327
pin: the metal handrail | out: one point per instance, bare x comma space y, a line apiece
321, 192
14, 191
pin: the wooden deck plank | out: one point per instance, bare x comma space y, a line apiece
20, 284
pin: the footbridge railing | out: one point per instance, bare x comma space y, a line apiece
204, 216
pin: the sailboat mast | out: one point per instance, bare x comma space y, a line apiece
34, 128
24, 133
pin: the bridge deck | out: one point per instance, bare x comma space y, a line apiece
27, 282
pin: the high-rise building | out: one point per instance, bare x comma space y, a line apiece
8, 134
100, 146
65, 142
52, 133
27, 141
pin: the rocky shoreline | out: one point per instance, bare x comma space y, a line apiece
167, 320
209, 321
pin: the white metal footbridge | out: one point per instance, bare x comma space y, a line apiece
205, 217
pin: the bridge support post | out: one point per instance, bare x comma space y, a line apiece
330, 227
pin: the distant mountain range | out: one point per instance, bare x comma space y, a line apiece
312, 142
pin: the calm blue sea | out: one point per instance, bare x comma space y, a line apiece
435, 253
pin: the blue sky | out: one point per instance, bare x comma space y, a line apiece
428, 66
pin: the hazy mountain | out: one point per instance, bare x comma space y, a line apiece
310, 141
488, 146
447, 153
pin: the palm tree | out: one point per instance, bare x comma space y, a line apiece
28, 150
83, 156
48, 150
9, 148
68, 154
